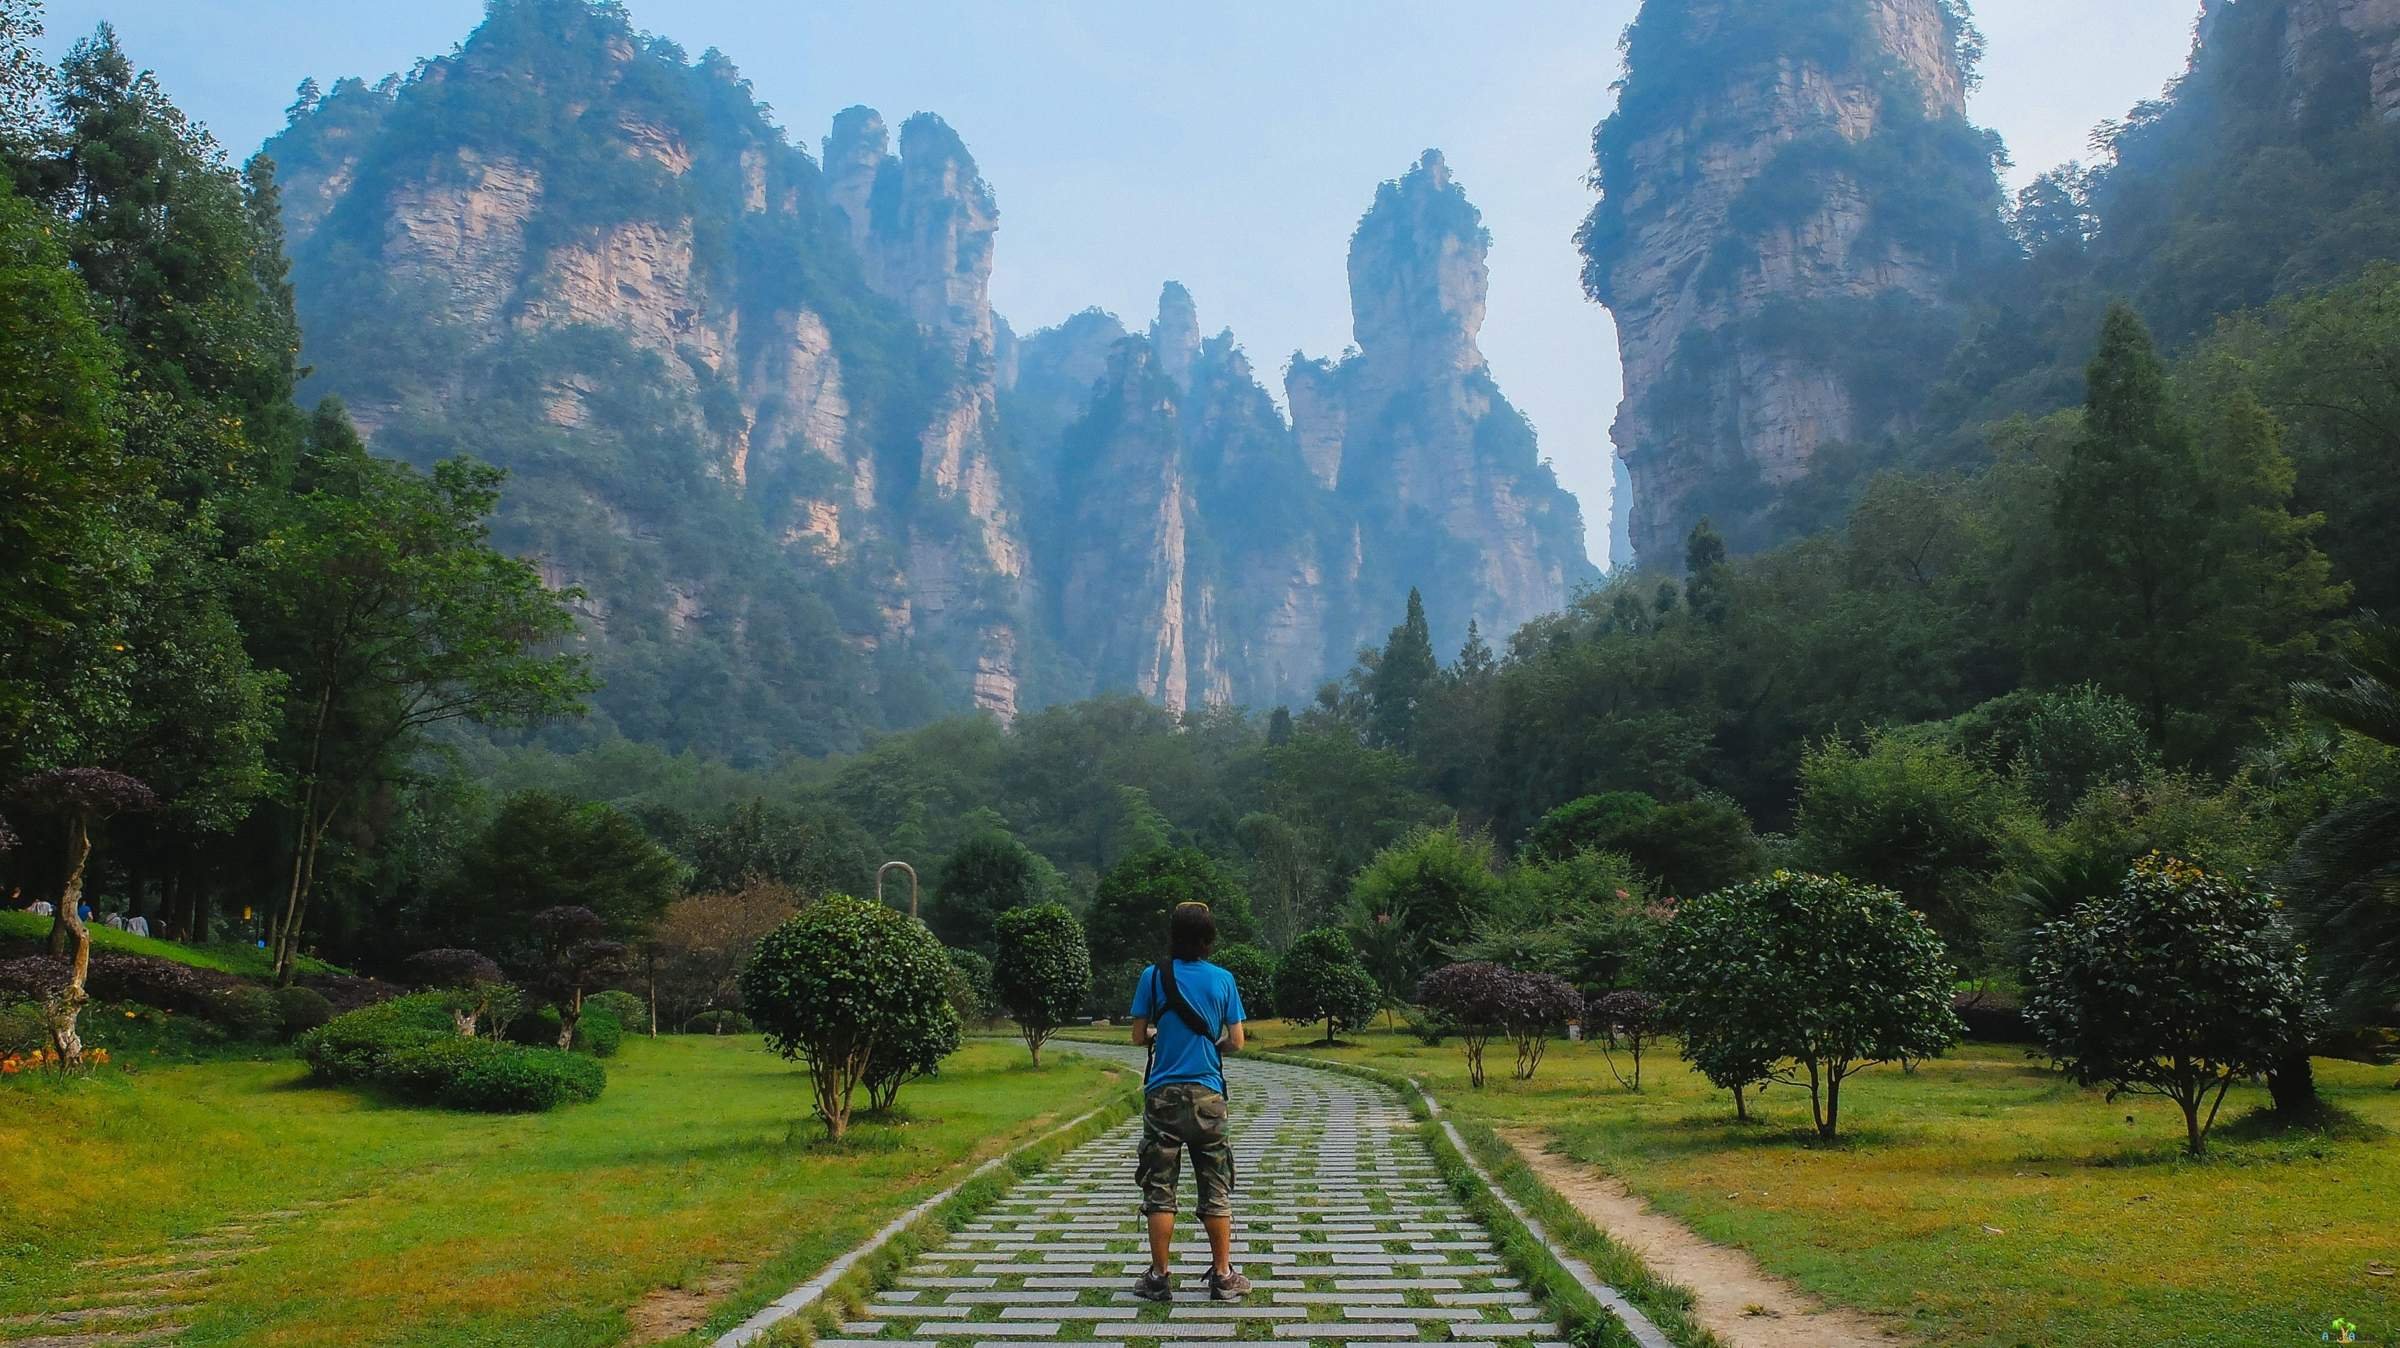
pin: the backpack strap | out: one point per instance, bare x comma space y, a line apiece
1192, 1020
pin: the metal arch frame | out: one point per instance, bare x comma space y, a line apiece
912, 883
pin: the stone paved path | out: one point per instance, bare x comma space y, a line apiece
1343, 1224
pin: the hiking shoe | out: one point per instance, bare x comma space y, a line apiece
1228, 1286
1154, 1286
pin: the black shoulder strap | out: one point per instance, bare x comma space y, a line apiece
1173, 997
1192, 1020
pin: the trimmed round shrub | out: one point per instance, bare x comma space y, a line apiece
1043, 971
1474, 1000
411, 1047
247, 1012
2177, 986
1253, 973
1804, 979
632, 1013
971, 994
301, 1010
448, 967
490, 1078
1625, 1017
854, 989
1321, 978
597, 1032
355, 1047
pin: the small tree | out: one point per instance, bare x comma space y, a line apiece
914, 1044
1474, 997
985, 876
701, 942
467, 979
856, 990
83, 797
1543, 1006
1043, 969
1320, 978
572, 953
1633, 1019
971, 995
1253, 973
1130, 907
1798, 976
2175, 986
1434, 884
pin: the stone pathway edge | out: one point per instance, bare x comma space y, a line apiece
936, 1212
1606, 1299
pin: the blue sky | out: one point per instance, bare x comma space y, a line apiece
1231, 147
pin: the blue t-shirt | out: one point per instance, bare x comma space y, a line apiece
1183, 1055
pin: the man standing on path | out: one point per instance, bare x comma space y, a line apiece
1187, 1012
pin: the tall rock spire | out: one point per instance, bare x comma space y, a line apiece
1175, 334
1793, 204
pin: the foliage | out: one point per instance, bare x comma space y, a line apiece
1585, 918
570, 953
695, 952
1128, 917
491, 1078
811, 855
1798, 974
1320, 978
1478, 1000
625, 1008
299, 1010
1253, 973
1043, 966
983, 877
1915, 816
1433, 886
854, 989
2344, 871
544, 850
2175, 986
972, 992
1632, 1018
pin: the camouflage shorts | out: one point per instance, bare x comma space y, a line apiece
1175, 1118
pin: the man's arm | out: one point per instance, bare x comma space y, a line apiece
1233, 1040
1143, 1032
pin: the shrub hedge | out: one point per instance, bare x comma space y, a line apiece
597, 1033
409, 1047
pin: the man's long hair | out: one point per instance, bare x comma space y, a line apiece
1191, 932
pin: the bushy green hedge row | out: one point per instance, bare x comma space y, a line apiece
410, 1047
598, 1032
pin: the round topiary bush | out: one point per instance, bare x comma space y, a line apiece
852, 988
300, 1010
1629, 1017
2177, 985
1253, 973
1474, 999
1804, 979
1043, 970
1321, 978
353, 1048
410, 1047
632, 1013
971, 992
596, 1032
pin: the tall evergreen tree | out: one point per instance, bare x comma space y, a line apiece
1402, 676
2179, 576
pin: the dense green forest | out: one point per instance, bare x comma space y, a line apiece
2137, 624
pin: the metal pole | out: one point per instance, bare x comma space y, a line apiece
912, 883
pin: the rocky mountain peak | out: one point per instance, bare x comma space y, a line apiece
923, 220
1418, 275
1175, 333
1792, 209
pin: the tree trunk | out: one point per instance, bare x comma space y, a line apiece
69, 1008
570, 1012
2292, 1083
1833, 1104
2194, 1141
1816, 1098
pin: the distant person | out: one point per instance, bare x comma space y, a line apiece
1187, 1012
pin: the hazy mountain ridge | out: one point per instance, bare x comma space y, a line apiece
759, 406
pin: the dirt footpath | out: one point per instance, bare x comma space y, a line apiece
1738, 1301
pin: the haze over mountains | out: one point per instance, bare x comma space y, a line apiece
756, 402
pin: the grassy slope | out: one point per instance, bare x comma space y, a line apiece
534, 1230
1985, 1201
225, 957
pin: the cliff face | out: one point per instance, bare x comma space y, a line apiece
1792, 202
2366, 30
759, 407
1414, 437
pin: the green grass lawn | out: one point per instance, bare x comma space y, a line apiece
1982, 1200
699, 1167
230, 957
